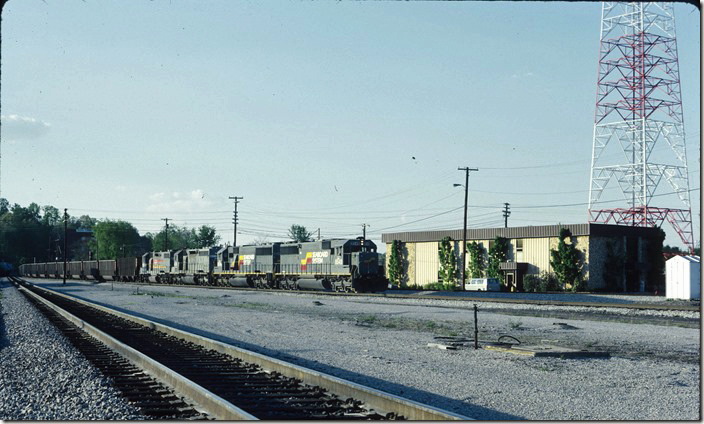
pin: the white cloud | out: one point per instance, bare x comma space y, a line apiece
120, 188
193, 201
523, 75
15, 127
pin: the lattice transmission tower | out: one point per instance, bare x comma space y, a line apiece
638, 125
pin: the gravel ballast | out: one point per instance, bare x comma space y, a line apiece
653, 372
43, 377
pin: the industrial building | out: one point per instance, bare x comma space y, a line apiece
614, 257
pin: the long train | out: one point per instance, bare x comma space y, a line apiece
334, 264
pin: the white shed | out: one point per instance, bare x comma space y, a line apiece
683, 277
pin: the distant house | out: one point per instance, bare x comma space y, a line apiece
614, 258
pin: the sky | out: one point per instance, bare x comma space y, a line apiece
328, 115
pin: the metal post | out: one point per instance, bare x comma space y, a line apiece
476, 329
65, 227
166, 234
364, 233
464, 228
234, 219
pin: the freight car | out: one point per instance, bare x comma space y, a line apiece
334, 264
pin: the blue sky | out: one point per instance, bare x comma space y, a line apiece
324, 114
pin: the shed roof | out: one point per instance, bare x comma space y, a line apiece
694, 259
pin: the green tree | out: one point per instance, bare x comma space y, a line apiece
178, 238
299, 233
114, 239
396, 263
448, 261
51, 216
477, 260
23, 237
497, 253
84, 221
206, 236
565, 261
4, 206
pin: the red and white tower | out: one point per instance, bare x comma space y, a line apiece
638, 125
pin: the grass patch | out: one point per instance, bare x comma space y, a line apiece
160, 294
515, 325
251, 306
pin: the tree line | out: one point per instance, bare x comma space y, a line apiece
36, 234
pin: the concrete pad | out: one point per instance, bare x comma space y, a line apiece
546, 351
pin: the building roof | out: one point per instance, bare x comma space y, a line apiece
538, 231
687, 258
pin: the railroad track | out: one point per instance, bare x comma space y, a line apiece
172, 374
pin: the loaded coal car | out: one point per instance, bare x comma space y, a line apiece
54, 269
127, 269
107, 270
74, 269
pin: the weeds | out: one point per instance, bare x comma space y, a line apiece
159, 294
251, 305
377, 321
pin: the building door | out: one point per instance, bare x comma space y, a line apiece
510, 281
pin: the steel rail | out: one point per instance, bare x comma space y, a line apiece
206, 401
378, 400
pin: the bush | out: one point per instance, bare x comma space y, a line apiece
542, 283
532, 283
551, 281
440, 286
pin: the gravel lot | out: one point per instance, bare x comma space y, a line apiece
42, 376
653, 373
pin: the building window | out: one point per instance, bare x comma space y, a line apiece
519, 245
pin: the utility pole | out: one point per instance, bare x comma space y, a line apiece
364, 233
234, 218
464, 229
65, 227
166, 234
318, 234
507, 212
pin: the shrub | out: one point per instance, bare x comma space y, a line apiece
396, 264
440, 286
448, 262
497, 254
552, 283
477, 260
532, 283
542, 283
565, 260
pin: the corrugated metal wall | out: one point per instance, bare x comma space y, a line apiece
536, 251
427, 263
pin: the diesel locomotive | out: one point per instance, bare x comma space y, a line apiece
331, 265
